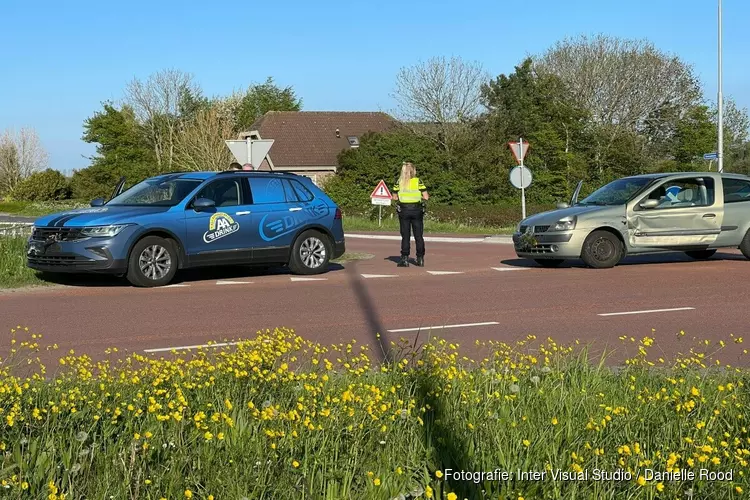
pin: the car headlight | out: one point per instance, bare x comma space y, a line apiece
104, 231
565, 224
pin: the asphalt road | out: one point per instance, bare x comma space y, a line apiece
467, 291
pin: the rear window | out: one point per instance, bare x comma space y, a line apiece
736, 190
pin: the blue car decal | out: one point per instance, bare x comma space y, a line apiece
220, 225
273, 226
72, 214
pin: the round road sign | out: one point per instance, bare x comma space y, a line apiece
520, 177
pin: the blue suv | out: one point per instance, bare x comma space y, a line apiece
185, 220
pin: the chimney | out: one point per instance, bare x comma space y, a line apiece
338, 134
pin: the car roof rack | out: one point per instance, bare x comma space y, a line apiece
268, 172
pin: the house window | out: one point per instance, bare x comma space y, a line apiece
353, 141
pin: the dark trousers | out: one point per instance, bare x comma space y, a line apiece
411, 219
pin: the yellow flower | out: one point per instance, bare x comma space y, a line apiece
438, 474
526, 442
295, 464
660, 487
738, 490
452, 496
376, 481
428, 492
641, 480
147, 481
554, 420
188, 494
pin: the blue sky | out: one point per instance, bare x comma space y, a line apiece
62, 59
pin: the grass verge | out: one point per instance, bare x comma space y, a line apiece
13, 270
277, 416
36, 209
350, 256
356, 223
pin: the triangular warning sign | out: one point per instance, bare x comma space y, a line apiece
519, 150
381, 191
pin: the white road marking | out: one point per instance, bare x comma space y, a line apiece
294, 278
511, 268
443, 326
175, 285
224, 282
439, 273
185, 347
380, 275
434, 239
647, 311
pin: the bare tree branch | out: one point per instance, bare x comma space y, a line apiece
439, 96
200, 143
156, 103
21, 154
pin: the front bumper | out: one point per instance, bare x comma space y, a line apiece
553, 245
83, 255
339, 248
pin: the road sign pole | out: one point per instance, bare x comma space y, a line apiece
720, 152
523, 191
380, 214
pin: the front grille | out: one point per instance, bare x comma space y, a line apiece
541, 249
522, 229
61, 233
57, 260
540, 229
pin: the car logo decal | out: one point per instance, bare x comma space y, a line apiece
220, 225
274, 225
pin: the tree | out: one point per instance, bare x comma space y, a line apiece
622, 84
262, 98
200, 144
439, 97
159, 103
538, 108
21, 154
122, 149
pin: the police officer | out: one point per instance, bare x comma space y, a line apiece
410, 196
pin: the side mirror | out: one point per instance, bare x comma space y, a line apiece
203, 204
649, 204
98, 202
562, 205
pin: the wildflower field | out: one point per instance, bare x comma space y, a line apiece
277, 417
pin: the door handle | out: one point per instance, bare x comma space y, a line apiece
709, 216
243, 212
295, 209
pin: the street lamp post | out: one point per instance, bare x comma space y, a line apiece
720, 151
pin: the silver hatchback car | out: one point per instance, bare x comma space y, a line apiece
691, 212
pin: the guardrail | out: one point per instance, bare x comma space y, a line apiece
11, 229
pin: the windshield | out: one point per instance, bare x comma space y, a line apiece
617, 192
156, 193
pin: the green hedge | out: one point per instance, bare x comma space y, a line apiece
501, 216
48, 185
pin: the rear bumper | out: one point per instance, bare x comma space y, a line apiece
339, 248
73, 257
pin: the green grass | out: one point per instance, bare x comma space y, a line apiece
36, 209
281, 417
13, 270
354, 223
350, 256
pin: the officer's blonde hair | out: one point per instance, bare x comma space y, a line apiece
408, 172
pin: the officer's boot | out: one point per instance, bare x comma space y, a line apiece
420, 261
404, 262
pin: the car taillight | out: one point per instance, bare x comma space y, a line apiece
338, 214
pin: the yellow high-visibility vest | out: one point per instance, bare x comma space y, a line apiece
411, 193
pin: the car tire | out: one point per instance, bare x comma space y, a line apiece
151, 250
602, 250
745, 245
311, 253
700, 254
549, 262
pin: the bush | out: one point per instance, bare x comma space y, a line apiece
48, 185
499, 216
281, 417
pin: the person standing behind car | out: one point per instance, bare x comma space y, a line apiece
410, 195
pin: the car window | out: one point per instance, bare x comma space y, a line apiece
695, 192
291, 195
303, 193
156, 192
736, 190
267, 190
224, 192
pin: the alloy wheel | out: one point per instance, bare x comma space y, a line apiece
155, 262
